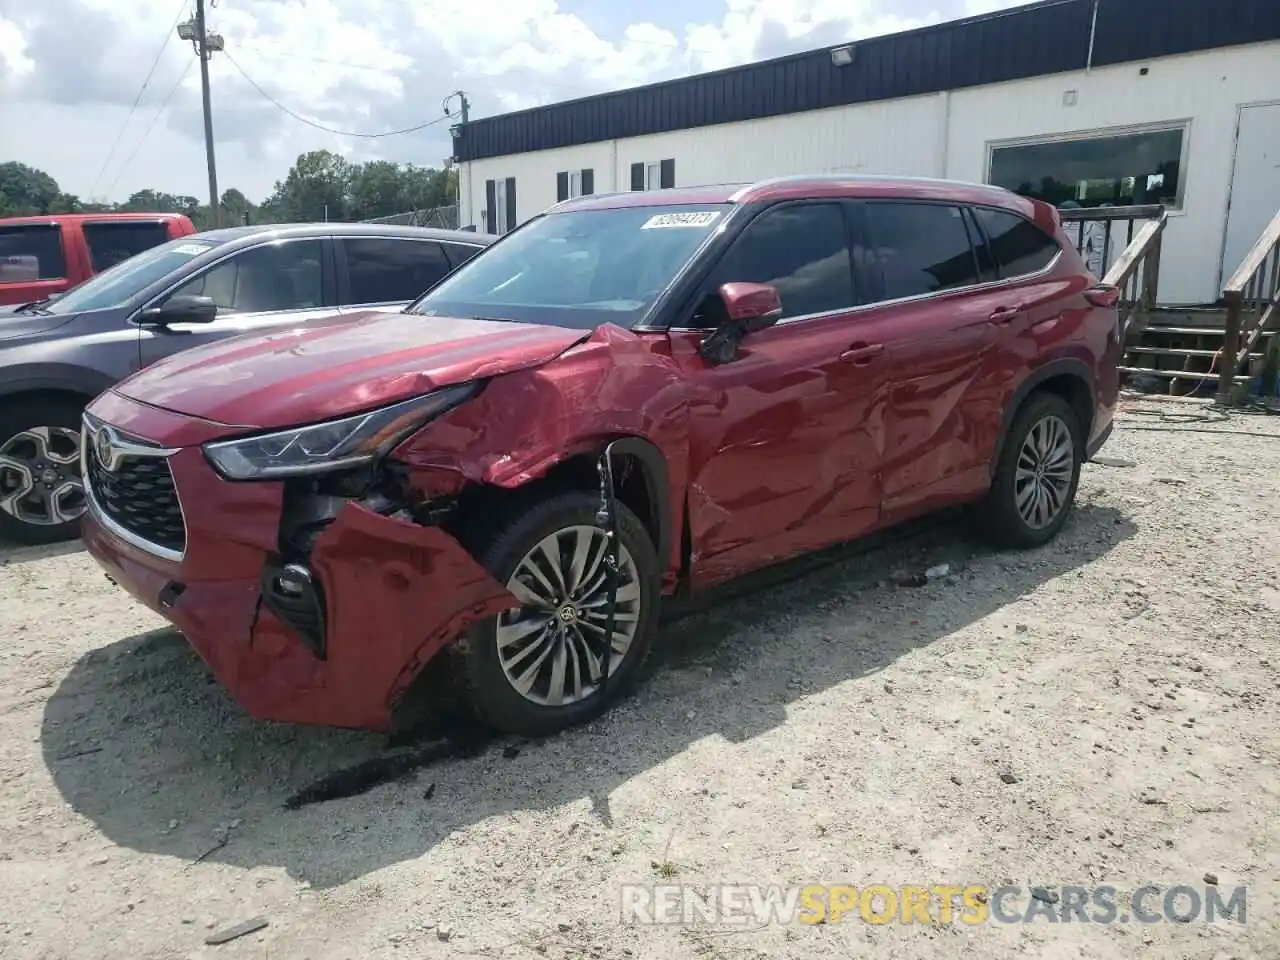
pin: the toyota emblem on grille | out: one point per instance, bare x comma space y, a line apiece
105, 449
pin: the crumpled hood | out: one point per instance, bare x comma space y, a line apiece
338, 366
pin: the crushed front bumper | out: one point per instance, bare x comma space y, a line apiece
394, 593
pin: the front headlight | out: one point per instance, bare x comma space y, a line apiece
334, 444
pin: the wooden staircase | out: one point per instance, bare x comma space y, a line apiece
1223, 349
1178, 351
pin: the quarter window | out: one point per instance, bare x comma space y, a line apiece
110, 243
277, 276
801, 250
1119, 170
382, 270
30, 253
460, 253
919, 248
1018, 246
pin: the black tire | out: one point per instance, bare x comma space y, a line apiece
1000, 520
20, 414
492, 698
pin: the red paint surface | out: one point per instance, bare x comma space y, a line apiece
816, 433
75, 249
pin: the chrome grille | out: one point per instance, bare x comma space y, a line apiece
134, 489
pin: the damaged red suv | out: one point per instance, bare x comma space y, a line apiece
774, 369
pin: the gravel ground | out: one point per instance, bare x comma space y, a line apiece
1100, 711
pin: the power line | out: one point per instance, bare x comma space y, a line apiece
257, 48
321, 126
138, 99
147, 132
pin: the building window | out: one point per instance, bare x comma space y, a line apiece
575, 183
1106, 169
500, 205
655, 175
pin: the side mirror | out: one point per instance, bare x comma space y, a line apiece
183, 309
746, 308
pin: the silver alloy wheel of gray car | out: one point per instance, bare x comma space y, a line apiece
40, 476
1042, 480
552, 647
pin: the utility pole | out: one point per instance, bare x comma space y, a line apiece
205, 44
464, 114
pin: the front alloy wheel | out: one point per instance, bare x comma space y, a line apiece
539, 667
552, 648
41, 493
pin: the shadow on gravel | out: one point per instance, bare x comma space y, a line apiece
11, 555
141, 741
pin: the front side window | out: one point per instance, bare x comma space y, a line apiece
385, 270
113, 242
116, 286
275, 276
1017, 246
919, 248
31, 252
579, 268
801, 250
1118, 170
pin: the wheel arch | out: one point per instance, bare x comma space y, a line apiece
54, 380
645, 490
1068, 377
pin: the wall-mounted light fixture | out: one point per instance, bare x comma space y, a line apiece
842, 56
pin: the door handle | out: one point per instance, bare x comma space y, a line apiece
1006, 314
862, 353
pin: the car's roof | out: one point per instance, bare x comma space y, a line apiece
802, 187
80, 217
292, 230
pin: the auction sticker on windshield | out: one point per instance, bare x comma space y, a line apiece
700, 219
192, 249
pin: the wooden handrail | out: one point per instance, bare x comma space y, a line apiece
1252, 297
1136, 272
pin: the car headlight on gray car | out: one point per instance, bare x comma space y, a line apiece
333, 444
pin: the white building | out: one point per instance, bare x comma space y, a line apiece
1096, 101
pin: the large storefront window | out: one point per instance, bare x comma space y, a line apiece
1117, 170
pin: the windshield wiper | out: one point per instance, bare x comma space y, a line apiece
35, 306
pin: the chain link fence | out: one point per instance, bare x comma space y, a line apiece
444, 218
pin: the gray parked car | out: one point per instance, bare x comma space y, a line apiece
58, 354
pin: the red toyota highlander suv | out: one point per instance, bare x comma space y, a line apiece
773, 368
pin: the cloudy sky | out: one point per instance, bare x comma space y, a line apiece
71, 70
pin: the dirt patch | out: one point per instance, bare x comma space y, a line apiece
1100, 711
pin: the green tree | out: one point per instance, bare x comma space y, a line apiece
25, 190
316, 188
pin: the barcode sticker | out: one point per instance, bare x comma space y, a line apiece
701, 219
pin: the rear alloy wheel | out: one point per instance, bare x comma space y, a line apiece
1036, 478
539, 668
41, 493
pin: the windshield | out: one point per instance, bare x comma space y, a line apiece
578, 269
115, 286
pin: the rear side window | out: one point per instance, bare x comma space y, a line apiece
919, 248
30, 253
382, 270
460, 253
1018, 246
802, 250
109, 243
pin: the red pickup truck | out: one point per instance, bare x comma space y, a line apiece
41, 256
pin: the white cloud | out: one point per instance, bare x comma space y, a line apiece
70, 70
